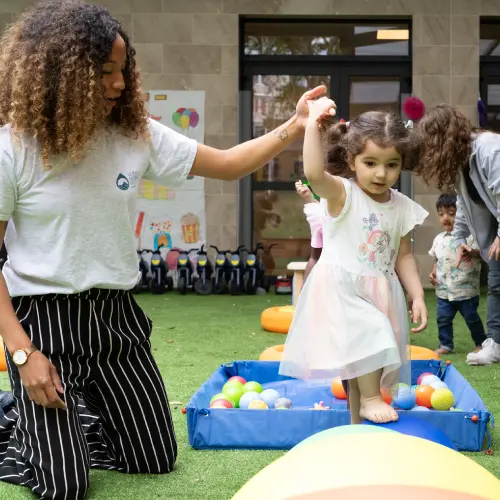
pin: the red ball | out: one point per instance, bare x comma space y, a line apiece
419, 379
237, 378
414, 108
221, 403
474, 418
183, 411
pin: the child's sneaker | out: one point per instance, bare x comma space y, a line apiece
489, 354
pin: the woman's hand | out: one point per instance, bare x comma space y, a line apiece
326, 111
419, 315
41, 381
495, 250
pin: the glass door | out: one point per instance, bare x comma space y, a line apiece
276, 215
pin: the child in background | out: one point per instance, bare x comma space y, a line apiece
457, 284
314, 214
351, 316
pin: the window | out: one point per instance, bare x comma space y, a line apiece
322, 39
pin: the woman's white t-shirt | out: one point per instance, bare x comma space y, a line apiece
71, 228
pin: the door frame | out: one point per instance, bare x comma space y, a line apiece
339, 70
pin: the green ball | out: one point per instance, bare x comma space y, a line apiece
252, 387
233, 393
232, 383
220, 396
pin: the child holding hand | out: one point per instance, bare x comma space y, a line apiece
351, 316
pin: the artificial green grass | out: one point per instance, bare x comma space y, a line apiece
192, 336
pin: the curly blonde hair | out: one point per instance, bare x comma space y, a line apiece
51, 72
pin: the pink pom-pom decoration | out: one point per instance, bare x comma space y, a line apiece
414, 108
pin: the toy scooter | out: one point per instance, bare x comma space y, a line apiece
255, 272
237, 271
222, 271
144, 280
160, 280
185, 271
204, 270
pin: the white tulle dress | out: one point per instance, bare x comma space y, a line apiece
351, 317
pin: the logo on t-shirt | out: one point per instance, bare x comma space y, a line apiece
122, 182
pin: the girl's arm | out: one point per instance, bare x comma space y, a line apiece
322, 183
406, 268
243, 159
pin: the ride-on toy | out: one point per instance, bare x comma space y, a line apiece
144, 280
185, 271
222, 271
255, 272
204, 270
160, 281
237, 271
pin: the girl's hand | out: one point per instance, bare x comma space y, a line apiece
304, 192
495, 249
320, 110
302, 109
419, 315
464, 253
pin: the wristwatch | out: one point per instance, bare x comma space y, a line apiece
20, 357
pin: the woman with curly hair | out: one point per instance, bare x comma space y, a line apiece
75, 142
456, 156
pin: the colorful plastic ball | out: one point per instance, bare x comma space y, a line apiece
423, 395
386, 395
419, 379
233, 393
414, 108
283, 403
420, 408
439, 385
231, 383
252, 386
219, 396
248, 397
337, 389
257, 404
270, 396
404, 398
429, 379
237, 378
442, 399
221, 403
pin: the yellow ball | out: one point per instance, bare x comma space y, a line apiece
442, 399
257, 404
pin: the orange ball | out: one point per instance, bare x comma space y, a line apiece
386, 395
338, 389
424, 393
3, 362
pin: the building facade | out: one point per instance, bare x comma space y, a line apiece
209, 44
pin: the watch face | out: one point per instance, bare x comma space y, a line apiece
20, 357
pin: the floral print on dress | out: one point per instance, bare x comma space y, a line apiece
376, 252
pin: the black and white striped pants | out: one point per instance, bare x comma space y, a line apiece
99, 342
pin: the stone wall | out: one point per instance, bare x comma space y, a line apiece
193, 45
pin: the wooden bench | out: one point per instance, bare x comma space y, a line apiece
298, 269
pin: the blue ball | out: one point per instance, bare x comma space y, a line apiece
404, 397
420, 408
247, 398
270, 396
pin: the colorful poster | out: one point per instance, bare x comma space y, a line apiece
174, 218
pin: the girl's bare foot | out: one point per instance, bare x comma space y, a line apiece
377, 411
